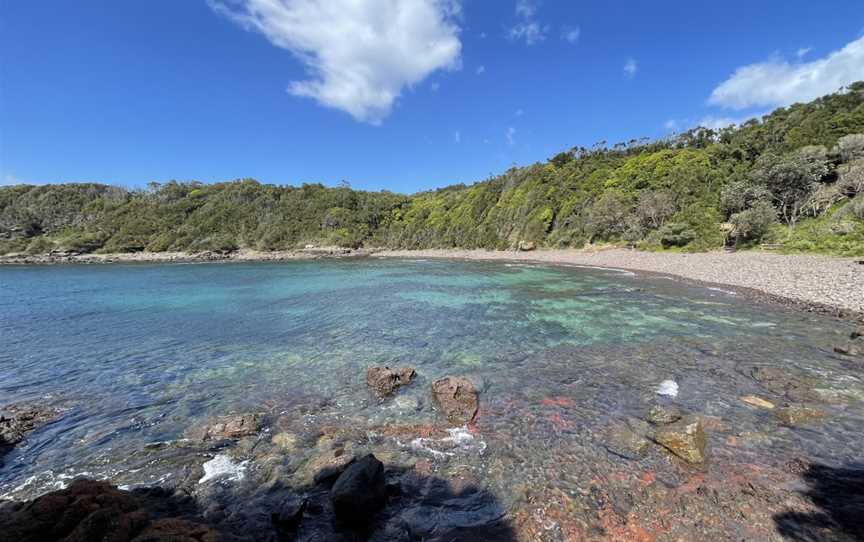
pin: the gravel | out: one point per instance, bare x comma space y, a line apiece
820, 283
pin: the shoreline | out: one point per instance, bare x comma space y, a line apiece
822, 284
827, 285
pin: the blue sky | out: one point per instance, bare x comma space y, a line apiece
404, 95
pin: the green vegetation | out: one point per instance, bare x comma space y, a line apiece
794, 178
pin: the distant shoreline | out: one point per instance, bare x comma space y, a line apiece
824, 284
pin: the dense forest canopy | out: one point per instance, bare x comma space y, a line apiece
794, 178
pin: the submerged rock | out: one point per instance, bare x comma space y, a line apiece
360, 491
456, 397
623, 441
685, 438
753, 400
785, 381
851, 348
384, 380
234, 426
285, 441
798, 415
661, 415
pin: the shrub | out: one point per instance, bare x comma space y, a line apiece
754, 223
676, 235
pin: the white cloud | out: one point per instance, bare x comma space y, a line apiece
630, 68
481, 69
482, 35
777, 82
519, 112
435, 86
571, 35
527, 28
457, 137
526, 9
671, 125
531, 32
802, 52
511, 135
360, 54
717, 123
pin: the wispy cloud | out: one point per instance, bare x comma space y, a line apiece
527, 27
802, 52
778, 82
481, 70
571, 35
360, 54
457, 137
630, 68
510, 134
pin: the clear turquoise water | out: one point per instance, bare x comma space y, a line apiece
135, 354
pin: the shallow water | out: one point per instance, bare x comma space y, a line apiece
136, 354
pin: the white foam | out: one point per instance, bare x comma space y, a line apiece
223, 467
460, 439
668, 388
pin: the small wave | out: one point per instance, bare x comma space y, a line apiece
225, 468
668, 388
459, 440
715, 289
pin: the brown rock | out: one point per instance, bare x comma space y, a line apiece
661, 415
685, 438
456, 397
851, 348
753, 400
798, 415
234, 426
384, 380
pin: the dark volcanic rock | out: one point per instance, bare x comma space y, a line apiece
228, 427
89, 510
17, 421
384, 380
456, 397
685, 438
290, 514
360, 491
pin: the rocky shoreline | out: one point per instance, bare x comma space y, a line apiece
352, 482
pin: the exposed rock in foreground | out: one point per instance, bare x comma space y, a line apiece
384, 381
360, 491
685, 438
89, 510
457, 398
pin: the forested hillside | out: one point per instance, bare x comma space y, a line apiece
794, 178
